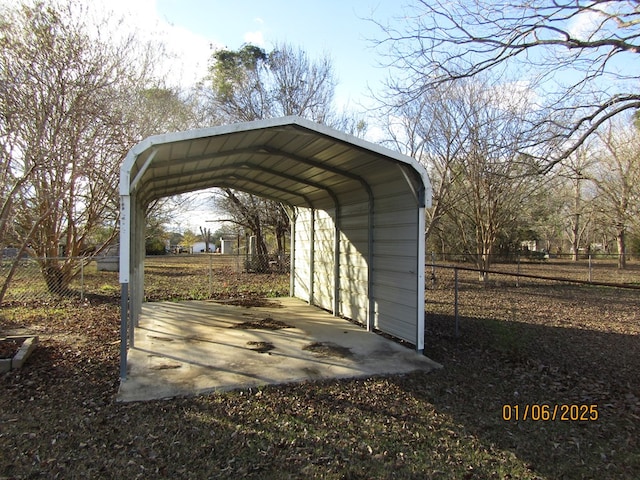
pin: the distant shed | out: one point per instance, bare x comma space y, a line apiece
357, 213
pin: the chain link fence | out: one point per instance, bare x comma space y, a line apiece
205, 276
183, 276
590, 267
454, 291
459, 296
30, 280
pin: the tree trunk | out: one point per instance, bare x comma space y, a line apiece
261, 245
57, 277
280, 241
484, 263
575, 244
575, 240
620, 240
206, 236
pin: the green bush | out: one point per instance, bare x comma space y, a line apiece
155, 246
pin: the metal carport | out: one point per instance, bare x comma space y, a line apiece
357, 214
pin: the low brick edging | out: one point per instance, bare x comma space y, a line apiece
28, 345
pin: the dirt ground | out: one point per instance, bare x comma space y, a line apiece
533, 347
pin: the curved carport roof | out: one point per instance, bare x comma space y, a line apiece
290, 160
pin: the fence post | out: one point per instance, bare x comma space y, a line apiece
518, 272
81, 280
433, 269
455, 298
589, 268
210, 275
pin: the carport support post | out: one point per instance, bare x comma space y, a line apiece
312, 252
420, 267
125, 245
336, 264
124, 309
292, 252
371, 314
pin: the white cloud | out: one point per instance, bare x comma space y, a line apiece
517, 95
189, 52
587, 23
255, 38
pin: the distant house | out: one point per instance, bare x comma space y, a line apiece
109, 259
199, 247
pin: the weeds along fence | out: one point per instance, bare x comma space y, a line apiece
552, 293
167, 277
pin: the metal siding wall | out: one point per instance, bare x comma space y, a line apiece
302, 254
323, 267
394, 263
354, 300
395, 260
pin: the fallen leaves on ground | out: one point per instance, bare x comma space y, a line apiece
532, 345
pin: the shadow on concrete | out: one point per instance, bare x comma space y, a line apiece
192, 347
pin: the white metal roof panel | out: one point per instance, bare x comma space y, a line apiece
299, 157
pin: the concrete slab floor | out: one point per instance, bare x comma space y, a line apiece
197, 347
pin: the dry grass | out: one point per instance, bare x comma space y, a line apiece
533, 344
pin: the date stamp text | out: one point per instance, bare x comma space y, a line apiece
544, 413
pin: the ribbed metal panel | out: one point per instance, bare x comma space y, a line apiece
323, 260
302, 254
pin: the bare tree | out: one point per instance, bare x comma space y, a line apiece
548, 219
65, 86
160, 109
579, 57
574, 175
205, 234
491, 180
617, 179
251, 84
277, 218
247, 211
432, 128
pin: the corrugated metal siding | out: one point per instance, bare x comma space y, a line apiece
395, 237
302, 255
354, 299
323, 259
394, 261
354, 225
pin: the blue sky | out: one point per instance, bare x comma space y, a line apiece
337, 28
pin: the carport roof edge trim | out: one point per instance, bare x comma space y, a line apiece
194, 134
